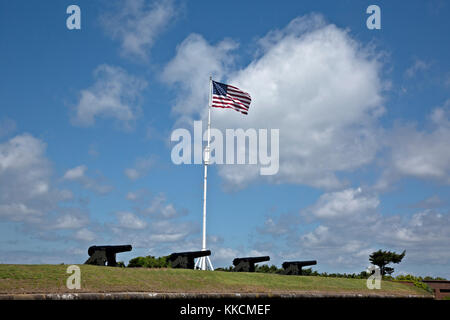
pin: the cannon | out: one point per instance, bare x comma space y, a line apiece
185, 260
100, 255
247, 264
295, 267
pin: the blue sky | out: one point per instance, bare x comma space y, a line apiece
364, 118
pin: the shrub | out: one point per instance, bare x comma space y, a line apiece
149, 262
226, 269
266, 269
423, 285
417, 281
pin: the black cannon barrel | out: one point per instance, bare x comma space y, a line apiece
251, 259
112, 249
286, 264
193, 254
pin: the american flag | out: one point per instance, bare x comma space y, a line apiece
226, 96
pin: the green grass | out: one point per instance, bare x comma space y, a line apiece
52, 279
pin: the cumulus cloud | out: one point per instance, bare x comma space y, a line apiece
28, 194
85, 234
344, 203
158, 208
311, 81
156, 225
78, 174
75, 173
159, 236
222, 256
155, 207
70, 221
25, 193
130, 221
114, 94
284, 224
342, 228
137, 23
190, 69
420, 153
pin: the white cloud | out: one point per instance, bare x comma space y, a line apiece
18, 212
140, 196
226, 254
422, 154
223, 257
347, 226
281, 225
20, 152
137, 24
132, 196
194, 62
130, 221
311, 81
167, 237
155, 225
141, 167
429, 203
160, 209
348, 202
131, 173
78, 174
75, 173
70, 221
115, 94
28, 194
417, 66
148, 233
24, 179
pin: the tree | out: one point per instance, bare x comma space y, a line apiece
381, 258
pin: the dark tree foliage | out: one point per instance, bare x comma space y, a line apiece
266, 269
382, 258
149, 262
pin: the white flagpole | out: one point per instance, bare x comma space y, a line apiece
204, 263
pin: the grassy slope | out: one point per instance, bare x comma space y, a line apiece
52, 278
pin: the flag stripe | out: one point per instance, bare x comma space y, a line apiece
239, 93
229, 104
234, 96
231, 100
241, 111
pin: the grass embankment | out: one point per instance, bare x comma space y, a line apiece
52, 279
